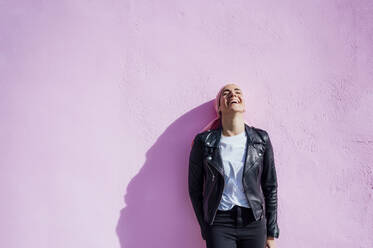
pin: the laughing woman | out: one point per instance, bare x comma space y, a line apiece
232, 178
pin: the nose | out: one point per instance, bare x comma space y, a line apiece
232, 94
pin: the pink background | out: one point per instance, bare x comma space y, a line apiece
99, 101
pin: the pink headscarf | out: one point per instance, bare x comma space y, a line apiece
216, 122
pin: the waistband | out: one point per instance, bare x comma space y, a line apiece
239, 215
235, 209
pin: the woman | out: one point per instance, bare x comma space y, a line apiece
232, 178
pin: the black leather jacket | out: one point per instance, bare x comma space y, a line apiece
206, 177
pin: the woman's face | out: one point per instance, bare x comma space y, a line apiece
231, 99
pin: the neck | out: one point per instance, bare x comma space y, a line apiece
232, 124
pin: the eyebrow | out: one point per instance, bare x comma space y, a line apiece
234, 89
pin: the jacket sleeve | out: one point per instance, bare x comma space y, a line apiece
269, 187
195, 182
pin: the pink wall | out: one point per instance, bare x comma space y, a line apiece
99, 102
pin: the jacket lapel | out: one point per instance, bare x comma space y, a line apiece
254, 147
212, 142
252, 153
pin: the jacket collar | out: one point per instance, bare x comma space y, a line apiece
213, 137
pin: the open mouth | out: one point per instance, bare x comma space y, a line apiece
233, 102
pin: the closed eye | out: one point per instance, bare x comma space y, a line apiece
237, 90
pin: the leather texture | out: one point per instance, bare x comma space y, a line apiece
206, 177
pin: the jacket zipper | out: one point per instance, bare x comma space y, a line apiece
243, 174
213, 176
216, 208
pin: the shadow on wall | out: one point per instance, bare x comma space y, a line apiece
158, 210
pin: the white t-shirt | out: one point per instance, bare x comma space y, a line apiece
232, 150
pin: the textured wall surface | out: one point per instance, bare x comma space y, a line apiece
99, 101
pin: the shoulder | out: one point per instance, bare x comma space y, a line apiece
262, 133
203, 135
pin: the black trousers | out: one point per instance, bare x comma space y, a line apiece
236, 228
